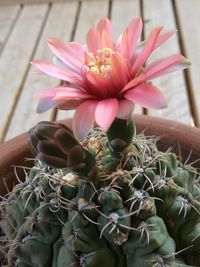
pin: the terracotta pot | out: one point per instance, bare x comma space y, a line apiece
179, 136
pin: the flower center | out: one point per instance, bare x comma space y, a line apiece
101, 63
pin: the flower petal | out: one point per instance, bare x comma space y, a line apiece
50, 93
134, 82
165, 65
69, 104
162, 38
45, 104
98, 85
71, 54
57, 72
58, 62
62, 92
147, 50
119, 71
147, 96
105, 25
84, 118
93, 40
128, 41
106, 112
66, 93
125, 109
106, 40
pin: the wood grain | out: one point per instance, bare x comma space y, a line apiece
59, 24
173, 85
14, 60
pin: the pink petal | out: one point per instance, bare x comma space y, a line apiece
61, 92
106, 40
105, 25
165, 65
120, 72
97, 84
147, 96
162, 38
50, 93
57, 72
45, 104
134, 82
71, 54
147, 50
84, 118
58, 97
125, 109
64, 93
93, 40
127, 43
58, 62
69, 104
106, 112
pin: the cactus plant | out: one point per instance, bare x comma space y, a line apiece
134, 207
103, 195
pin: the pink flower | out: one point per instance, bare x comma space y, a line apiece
106, 80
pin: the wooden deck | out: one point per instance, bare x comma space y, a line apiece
25, 25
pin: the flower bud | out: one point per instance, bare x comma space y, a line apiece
55, 145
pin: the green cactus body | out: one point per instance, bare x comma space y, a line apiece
116, 202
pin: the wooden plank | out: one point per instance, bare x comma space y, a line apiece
90, 13
15, 59
8, 16
121, 14
173, 85
59, 24
30, 2
188, 17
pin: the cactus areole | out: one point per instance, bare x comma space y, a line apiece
103, 196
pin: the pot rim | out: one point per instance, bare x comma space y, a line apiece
171, 133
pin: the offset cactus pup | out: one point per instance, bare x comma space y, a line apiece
140, 206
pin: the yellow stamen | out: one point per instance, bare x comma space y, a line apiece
101, 64
106, 51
